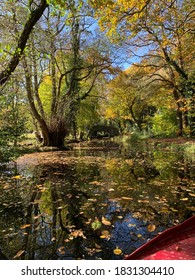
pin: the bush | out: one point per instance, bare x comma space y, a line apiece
164, 123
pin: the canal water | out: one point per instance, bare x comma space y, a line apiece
100, 200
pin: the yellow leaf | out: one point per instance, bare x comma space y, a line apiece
78, 233
120, 217
105, 222
19, 254
16, 177
151, 228
184, 199
25, 226
105, 232
139, 235
131, 225
127, 198
117, 251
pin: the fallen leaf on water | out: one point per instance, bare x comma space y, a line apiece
105, 222
105, 234
19, 254
16, 177
78, 233
127, 198
25, 226
96, 224
173, 209
151, 228
131, 225
117, 251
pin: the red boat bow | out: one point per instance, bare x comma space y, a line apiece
176, 243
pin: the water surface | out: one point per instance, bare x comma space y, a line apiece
102, 200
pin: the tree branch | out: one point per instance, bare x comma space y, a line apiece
15, 59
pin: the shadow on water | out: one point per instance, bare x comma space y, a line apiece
100, 201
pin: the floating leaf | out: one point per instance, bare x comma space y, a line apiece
78, 233
173, 209
139, 235
25, 226
120, 217
131, 225
19, 254
105, 222
96, 224
105, 234
151, 228
16, 177
164, 210
117, 251
127, 198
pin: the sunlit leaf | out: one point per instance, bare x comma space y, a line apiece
78, 233
105, 222
25, 226
105, 234
131, 225
117, 251
120, 217
19, 254
143, 201
164, 210
127, 198
139, 235
16, 177
184, 199
96, 224
151, 228
173, 209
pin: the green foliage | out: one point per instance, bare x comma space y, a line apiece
164, 123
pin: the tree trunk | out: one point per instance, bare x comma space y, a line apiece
54, 139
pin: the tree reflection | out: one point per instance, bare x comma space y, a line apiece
84, 210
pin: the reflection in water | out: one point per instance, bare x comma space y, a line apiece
86, 203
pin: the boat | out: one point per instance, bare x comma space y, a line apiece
175, 243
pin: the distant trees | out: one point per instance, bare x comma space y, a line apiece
162, 34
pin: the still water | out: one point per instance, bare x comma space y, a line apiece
101, 200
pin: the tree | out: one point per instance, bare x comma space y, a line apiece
36, 12
162, 31
72, 66
130, 103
